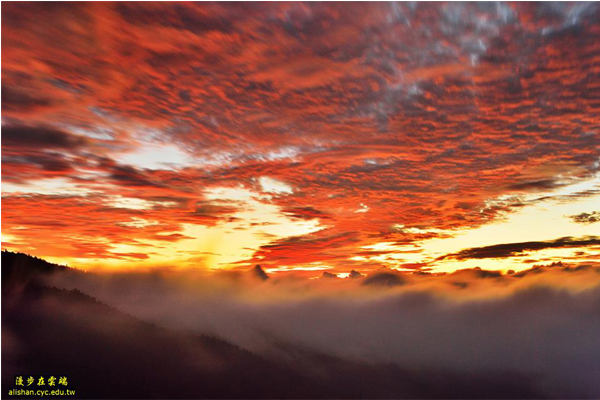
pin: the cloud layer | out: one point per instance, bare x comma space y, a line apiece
541, 323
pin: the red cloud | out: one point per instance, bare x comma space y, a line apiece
415, 114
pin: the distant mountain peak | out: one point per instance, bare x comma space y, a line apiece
355, 274
260, 273
328, 275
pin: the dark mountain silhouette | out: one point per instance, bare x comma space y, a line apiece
355, 274
260, 273
383, 279
19, 269
108, 354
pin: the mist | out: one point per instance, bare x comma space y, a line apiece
543, 323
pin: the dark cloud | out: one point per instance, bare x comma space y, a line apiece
539, 185
178, 16
39, 137
304, 213
586, 218
383, 279
132, 177
208, 209
38, 152
18, 100
515, 249
46, 162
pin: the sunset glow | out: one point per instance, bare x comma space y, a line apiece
300, 200
302, 137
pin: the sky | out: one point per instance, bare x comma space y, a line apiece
304, 137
